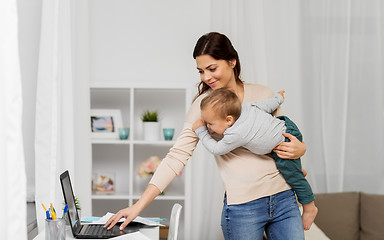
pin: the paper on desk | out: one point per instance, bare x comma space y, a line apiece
138, 219
132, 236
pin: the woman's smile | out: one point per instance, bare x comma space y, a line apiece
211, 84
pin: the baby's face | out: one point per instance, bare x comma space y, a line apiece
214, 122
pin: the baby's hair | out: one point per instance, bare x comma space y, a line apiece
224, 102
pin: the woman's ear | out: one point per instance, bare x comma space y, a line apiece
232, 63
229, 120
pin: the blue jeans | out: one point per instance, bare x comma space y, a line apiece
278, 215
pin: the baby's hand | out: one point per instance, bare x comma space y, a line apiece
199, 123
281, 93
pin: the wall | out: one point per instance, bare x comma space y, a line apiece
129, 41
29, 12
145, 40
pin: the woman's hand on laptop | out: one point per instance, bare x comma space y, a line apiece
128, 213
133, 211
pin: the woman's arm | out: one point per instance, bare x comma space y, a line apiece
133, 211
170, 166
290, 150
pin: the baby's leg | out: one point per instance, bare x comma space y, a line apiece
309, 211
309, 214
294, 175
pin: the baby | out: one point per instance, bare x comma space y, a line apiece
251, 125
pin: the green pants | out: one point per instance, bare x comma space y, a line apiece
291, 168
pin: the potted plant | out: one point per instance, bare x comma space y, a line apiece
151, 125
77, 204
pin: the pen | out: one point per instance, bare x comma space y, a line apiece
46, 212
45, 209
65, 210
54, 210
49, 214
53, 214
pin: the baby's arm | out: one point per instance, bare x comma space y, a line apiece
198, 123
271, 104
220, 147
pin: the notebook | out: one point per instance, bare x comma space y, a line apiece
87, 230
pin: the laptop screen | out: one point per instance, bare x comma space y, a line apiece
70, 200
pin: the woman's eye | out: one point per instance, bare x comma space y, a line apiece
200, 72
212, 69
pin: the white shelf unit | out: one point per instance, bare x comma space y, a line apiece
122, 157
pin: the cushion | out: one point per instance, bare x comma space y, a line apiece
338, 215
371, 216
314, 233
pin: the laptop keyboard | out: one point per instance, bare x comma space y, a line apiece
99, 230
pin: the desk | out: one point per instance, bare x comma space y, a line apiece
152, 233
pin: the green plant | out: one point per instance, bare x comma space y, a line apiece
77, 203
149, 116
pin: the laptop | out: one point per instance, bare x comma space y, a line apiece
84, 231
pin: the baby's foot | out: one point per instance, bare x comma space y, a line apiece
309, 215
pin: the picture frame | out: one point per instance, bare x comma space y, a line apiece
105, 123
103, 183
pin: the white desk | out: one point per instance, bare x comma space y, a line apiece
152, 233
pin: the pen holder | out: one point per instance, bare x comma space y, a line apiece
55, 229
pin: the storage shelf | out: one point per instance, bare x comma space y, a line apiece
135, 197
163, 197
122, 158
159, 143
110, 141
137, 142
111, 196
128, 85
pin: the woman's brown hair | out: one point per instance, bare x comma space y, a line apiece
219, 47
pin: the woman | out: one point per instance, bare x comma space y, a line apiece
257, 197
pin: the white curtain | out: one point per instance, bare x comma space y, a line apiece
328, 56
343, 87
12, 171
54, 138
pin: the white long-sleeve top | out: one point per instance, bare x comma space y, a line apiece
256, 129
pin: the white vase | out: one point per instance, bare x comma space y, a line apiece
151, 131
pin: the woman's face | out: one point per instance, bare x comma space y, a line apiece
216, 73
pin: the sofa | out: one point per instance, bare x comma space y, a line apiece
350, 216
